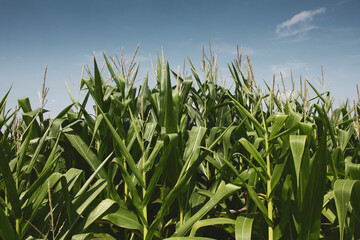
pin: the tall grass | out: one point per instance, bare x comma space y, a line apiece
193, 160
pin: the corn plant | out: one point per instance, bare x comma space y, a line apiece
191, 160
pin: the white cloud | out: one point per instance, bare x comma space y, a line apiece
299, 24
344, 2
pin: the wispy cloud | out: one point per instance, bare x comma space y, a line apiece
344, 2
299, 25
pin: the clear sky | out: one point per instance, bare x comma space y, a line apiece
277, 35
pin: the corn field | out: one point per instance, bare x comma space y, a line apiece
190, 160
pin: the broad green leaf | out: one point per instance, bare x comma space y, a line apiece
210, 222
137, 131
103, 236
90, 179
179, 185
99, 210
83, 236
81, 203
223, 192
6, 230
255, 154
130, 161
342, 193
297, 145
251, 192
196, 76
151, 159
226, 141
83, 200
170, 140
85, 151
244, 111
243, 227
25, 105
132, 188
98, 84
277, 125
11, 190
98, 121
124, 218
167, 119
353, 169
42, 178
34, 158
344, 137
192, 149
311, 206
35, 200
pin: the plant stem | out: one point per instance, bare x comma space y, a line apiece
17, 222
125, 185
6, 203
145, 216
144, 192
268, 183
181, 216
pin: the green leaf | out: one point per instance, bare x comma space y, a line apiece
90, 179
278, 123
255, 154
25, 105
311, 206
124, 218
342, 193
119, 84
10, 185
170, 140
353, 169
130, 161
223, 192
176, 190
244, 111
100, 209
132, 188
344, 137
243, 227
210, 222
6, 230
167, 118
297, 145
85, 151
34, 202
83, 236
81, 203
98, 85
192, 149
253, 195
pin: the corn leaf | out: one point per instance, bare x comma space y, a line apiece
342, 193
222, 192
243, 227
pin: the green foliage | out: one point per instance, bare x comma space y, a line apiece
191, 161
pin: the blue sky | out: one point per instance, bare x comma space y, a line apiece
277, 35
